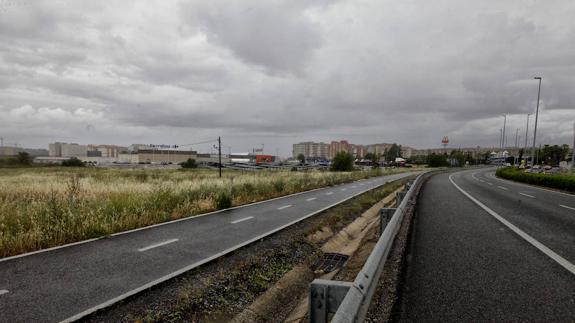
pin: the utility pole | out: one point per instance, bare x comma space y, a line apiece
516, 136
220, 154
536, 114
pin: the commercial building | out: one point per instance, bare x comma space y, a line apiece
168, 156
62, 149
13, 151
107, 151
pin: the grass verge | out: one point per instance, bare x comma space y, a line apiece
47, 207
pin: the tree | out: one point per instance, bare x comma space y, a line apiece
435, 160
24, 158
190, 163
73, 162
342, 162
393, 152
373, 158
552, 155
301, 158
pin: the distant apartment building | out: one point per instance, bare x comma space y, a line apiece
62, 149
311, 149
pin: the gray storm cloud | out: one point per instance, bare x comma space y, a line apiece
278, 72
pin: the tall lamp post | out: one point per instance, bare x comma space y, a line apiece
503, 135
536, 114
526, 135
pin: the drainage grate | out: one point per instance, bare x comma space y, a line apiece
329, 262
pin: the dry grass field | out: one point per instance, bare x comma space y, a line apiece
46, 207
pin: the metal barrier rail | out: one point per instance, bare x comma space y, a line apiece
349, 302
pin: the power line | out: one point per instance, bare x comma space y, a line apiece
200, 142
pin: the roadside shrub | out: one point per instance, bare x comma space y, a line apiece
342, 162
190, 163
558, 181
73, 162
223, 201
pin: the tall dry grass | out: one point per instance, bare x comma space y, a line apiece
46, 207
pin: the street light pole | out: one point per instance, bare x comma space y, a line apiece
536, 112
526, 135
504, 125
573, 152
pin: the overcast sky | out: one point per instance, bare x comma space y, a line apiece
277, 72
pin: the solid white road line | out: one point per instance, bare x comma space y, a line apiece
3, 291
503, 188
284, 207
567, 207
473, 176
531, 196
329, 193
311, 199
158, 245
242, 220
550, 253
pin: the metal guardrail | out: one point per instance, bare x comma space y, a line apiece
348, 302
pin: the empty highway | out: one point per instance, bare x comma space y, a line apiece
67, 283
486, 249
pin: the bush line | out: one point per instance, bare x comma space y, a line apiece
562, 182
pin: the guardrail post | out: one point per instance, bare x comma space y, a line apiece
385, 215
325, 298
408, 186
398, 198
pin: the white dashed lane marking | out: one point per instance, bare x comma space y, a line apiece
329, 193
531, 196
503, 188
3, 291
242, 220
311, 199
158, 245
284, 207
567, 207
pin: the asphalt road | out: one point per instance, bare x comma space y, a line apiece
486, 249
67, 283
